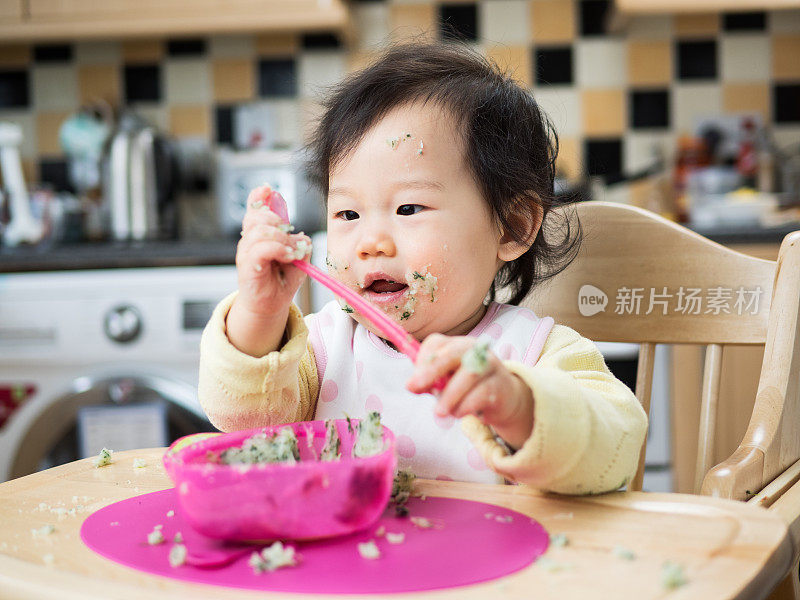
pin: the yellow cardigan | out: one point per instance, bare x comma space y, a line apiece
588, 426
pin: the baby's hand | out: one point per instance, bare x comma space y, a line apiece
487, 390
267, 279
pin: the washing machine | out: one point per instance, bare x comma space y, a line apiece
101, 358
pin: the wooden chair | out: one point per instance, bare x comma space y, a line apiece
640, 278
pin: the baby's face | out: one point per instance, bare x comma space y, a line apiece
408, 228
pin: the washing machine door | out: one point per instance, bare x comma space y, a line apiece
122, 409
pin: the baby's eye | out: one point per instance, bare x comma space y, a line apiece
347, 215
408, 209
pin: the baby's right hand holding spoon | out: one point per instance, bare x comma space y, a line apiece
267, 279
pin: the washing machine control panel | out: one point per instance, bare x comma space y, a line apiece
122, 324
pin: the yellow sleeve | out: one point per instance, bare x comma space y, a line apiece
238, 391
588, 426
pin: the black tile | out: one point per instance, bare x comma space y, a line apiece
593, 14
56, 173
14, 89
603, 157
52, 53
553, 65
649, 108
143, 83
697, 59
458, 21
745, 21
276, 77
786, 103
224, 121
193, 47
321, 40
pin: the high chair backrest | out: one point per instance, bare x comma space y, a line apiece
641, 278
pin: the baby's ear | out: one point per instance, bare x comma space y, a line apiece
530, 222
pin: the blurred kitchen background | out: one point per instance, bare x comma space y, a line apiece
132, 131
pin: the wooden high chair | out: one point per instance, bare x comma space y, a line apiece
641, 278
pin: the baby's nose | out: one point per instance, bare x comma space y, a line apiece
375, 244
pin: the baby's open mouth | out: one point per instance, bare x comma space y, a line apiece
385, 286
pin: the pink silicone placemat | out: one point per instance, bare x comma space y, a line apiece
469, 543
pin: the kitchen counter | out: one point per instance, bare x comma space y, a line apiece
110, 255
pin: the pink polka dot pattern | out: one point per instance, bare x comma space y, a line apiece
329, 391
359, 369
325, 320
444, 478
508, 352
444, 422
405, 446
495, 330
475, 461
373, 403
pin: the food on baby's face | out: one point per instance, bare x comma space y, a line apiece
264, 448
273, 557
104, 458
476, 359
369, 438
331, 449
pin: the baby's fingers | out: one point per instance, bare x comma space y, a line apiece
436, 360
457, 391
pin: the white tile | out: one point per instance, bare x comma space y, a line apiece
287, 122
691, 102
504, 21
318, 70
231, 46
649, 26
601, 63
98, 53
54, 87
786, 136
745, 57
28, 147
187, 81
641, 149
563, 106
621, 193
784, 21
155, 115
371, 20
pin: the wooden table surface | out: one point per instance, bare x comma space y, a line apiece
727, 549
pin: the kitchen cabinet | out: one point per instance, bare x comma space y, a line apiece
741, 367
698, 6
77, 19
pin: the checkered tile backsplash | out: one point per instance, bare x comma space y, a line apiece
610, 96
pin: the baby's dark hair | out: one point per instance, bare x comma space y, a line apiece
510, 145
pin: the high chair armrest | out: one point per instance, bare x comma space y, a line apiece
738, 477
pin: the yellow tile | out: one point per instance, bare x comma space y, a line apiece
649, 62
746, 97
412, 22
15, 55
552, 21
47, 127
360, 59
786, 57
603, 112
568, 161
233, 79
99, 82
700, 24
642, 191
142, 51
277, 44
185, 121
514, 60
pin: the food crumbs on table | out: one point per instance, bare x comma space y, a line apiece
369, 550
43, 531
273, 557
395, 538
552, 566
568, 515
114, 523
139, 463
369, 435
170, 513
558, 540
402, 486
48, 559
488, 515
422, 522
104, 458
177, 555
622, 552
178, 538
331, 449
504, 518
476, 359
155, 537
380, 531
672, 575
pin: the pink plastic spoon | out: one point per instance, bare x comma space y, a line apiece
396, 334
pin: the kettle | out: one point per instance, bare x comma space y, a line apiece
139, 182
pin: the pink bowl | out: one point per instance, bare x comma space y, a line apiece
305, 500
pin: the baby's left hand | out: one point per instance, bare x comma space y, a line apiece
498, 397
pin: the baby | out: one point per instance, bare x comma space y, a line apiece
438, 175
